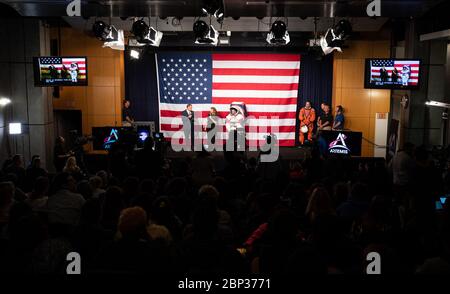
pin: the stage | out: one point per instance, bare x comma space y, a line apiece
285, 153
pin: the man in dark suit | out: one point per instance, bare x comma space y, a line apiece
383, 74
188, 122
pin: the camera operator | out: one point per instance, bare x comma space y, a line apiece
78, 150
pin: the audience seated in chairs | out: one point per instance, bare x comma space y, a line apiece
305, 216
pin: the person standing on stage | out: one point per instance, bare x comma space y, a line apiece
325, 121
395, 75
235, 125
188, 124
307, 117
383, 74
339, 119
212, 122
127, 115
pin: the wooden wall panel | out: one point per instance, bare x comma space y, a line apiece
361, 105
100, 101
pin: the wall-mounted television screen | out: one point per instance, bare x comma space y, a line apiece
392, 73
342, 142
51, 71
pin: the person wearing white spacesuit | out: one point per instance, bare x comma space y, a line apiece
73, 71
234, 124
405, 74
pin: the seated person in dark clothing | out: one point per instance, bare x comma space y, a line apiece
356, 205
148, 161
16, 168
34, 171
134, 252
204, 250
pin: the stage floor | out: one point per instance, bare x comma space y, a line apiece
286, 153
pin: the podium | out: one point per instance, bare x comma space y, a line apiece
340, 143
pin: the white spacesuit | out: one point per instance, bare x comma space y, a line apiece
235, 119
73, 71
405, 74
235, 124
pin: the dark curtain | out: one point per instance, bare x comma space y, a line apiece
141, 87
315, 83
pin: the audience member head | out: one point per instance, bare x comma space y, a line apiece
319, 204
95, 182
85, 189
208, 191
104, 176
64, 181
36, 161
17, 160
71, 163
40, 187
60, 140
132, 222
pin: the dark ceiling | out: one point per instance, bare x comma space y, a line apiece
233, 8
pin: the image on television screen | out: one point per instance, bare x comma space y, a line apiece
143, 132
60, 71
105, 137
392, 74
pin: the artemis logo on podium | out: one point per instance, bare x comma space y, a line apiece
374, 8
338, 145
74, 8
74, 265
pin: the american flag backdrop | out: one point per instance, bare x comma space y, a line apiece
266, 83
390, 64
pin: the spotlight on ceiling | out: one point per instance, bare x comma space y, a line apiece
213, 8
278, 34
112, 37
334, 37
145, 34
437, 104
205, 34
105, 32
4, 101
135, 53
